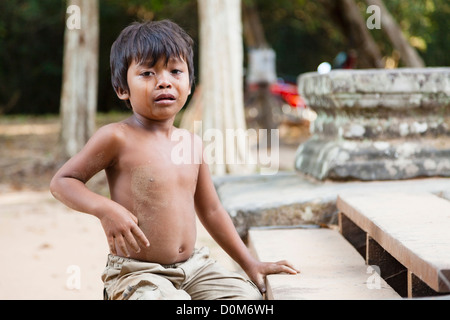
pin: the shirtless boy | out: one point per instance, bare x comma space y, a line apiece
149, 220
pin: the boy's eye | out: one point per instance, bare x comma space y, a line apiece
147, 74
176, 71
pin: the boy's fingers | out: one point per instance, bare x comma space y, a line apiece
288, 267
290, 270
132, 242
282, 266
291, 266
120, 242
135, 219
112, 245
140, 236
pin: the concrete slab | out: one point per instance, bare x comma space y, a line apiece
290, 198
331, 269
412, 227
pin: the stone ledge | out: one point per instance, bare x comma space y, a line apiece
374, 88
373, 160
289, 198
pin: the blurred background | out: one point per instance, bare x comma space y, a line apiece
279, 40
302, 33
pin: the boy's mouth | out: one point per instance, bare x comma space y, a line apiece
165, 97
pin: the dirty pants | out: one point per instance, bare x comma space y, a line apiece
198, 278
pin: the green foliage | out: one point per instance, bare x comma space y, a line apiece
424, 23
30, 62
437, 36
302, 34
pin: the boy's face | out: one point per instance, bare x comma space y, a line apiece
158, 92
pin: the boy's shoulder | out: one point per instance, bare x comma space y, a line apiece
112, 132
116, 126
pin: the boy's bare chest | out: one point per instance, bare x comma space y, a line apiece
155, 167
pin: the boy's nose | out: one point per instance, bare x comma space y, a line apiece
163, 83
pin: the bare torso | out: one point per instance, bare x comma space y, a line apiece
160, 193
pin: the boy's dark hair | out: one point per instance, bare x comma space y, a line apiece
147, 42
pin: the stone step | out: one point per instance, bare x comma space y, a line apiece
331, 269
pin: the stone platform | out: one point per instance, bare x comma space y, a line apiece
290, 199
377, 124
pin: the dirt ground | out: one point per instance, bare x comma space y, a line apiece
50, 251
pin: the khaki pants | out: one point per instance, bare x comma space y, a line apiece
199, 278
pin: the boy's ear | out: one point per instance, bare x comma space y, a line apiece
122, 94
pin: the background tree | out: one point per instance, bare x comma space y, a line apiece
408, 54
80, 75
347, 15
221, 65
31, 34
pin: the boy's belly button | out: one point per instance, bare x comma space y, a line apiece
180, 249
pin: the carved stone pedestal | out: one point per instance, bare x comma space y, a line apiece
377, 124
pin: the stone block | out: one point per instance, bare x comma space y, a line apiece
377, 124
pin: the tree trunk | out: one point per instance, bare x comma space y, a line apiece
348, 16
408, 54
252, 27
369, 55
221, 77
80, 75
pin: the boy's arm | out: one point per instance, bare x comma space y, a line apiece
69, 186
219, 224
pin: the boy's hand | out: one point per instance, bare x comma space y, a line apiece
122, 231
260, 270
